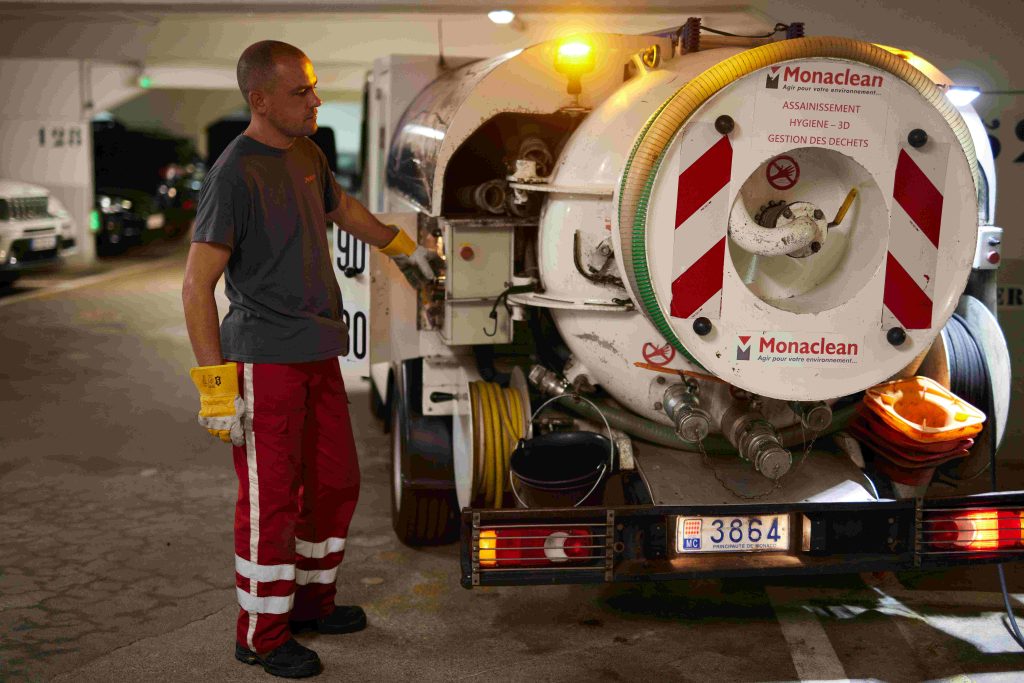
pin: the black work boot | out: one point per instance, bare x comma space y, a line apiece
290, 660
344, 619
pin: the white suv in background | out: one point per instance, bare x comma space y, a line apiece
35, 229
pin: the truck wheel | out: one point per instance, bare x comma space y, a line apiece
424, 510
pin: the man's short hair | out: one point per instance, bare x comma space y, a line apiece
257, 64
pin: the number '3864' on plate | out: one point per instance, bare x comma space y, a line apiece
746, 533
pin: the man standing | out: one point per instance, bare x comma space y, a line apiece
269, 377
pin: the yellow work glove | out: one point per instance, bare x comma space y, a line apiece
418, 264
221, 408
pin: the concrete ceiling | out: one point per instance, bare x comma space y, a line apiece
196, 42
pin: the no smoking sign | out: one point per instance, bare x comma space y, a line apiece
782, 172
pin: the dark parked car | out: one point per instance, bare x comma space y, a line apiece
124, 217
178, 196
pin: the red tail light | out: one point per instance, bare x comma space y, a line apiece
974, 530
188, 205
537, 546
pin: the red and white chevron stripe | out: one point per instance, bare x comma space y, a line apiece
702, 221
915, 230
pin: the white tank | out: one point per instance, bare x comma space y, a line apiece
703, 152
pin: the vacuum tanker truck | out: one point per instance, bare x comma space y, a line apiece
708, 307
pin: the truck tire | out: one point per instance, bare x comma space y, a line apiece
424, 509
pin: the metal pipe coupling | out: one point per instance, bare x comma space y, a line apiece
682, 405
814, 415
756, 440
548, 381
488, 196
799, 231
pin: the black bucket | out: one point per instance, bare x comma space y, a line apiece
561, 469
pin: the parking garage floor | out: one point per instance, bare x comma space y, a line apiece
116, 553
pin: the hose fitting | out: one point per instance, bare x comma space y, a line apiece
682, 405
814, 415
547, 381
756, 440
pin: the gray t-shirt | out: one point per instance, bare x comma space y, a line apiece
270, 206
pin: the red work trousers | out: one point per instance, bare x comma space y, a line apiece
298, 482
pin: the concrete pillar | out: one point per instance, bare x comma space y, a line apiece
45, 134
46, 131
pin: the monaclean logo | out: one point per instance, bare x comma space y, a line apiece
804, 348
845, 77
743, 348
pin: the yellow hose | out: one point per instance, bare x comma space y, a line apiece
490, 470
494, 455
498, 411
480, 447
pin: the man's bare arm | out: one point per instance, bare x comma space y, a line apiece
356, 219
205, 265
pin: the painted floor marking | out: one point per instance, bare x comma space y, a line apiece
809, 646
78, 283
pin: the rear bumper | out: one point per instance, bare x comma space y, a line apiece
637, 543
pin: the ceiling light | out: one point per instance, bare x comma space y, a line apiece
501, 16
962, 95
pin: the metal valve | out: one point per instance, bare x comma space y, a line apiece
547, 381
814, 415
756, 440
682, 405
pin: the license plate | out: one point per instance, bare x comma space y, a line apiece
44, 243
742, 534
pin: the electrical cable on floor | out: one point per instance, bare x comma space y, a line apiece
501, 419
970, 380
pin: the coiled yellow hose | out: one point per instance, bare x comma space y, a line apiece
498, 414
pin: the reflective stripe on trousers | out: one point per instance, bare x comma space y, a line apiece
298, 485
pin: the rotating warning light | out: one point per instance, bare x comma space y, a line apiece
574, 58
962, 95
